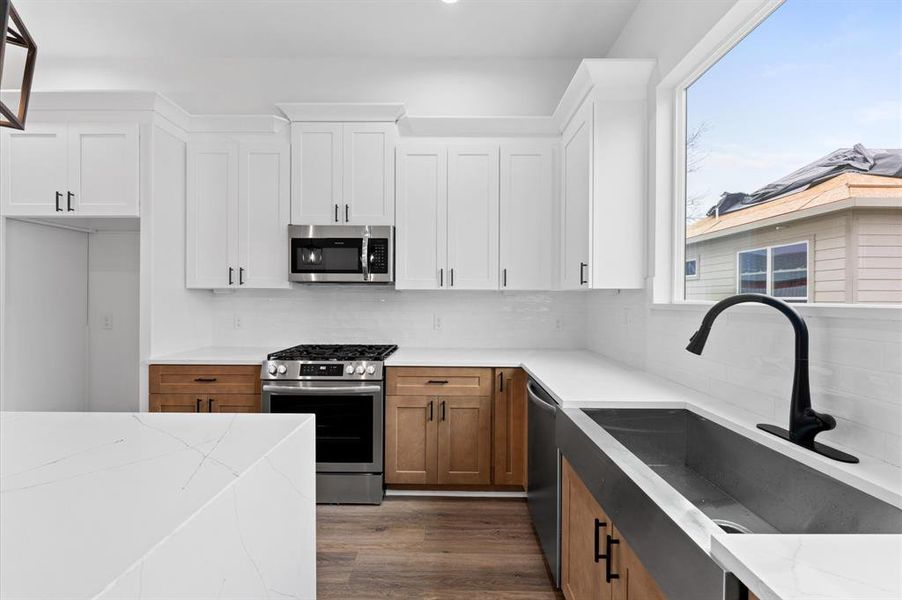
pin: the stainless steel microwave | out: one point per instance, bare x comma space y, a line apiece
341, 253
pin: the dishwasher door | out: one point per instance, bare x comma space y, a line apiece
544, 487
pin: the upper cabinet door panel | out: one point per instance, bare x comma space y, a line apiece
264, 206
212, 199
420, 238
34, 169
368, 167
316, 194
473, 217
576, 197
103, 168
526, 216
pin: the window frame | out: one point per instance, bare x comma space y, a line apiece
695, 258
769, 270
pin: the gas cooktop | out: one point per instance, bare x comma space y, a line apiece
335, 352
327, 362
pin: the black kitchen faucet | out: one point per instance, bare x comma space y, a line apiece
804, 422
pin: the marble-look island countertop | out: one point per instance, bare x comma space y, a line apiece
153, 506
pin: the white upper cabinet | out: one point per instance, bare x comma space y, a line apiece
576, 198
212, 211
473, 217
238, 206
342, 173
316, 174
527, 196
70, 168
421, 232
369, 184
264, 206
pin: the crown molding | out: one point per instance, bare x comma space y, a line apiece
237, 124
387, 112
410, 126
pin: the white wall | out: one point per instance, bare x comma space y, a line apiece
349, 314
45, 321
427, 86
856, 363
113, 364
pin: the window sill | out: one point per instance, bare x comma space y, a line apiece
889, 312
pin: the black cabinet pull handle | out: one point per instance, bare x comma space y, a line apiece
431, 402
69, 196
347, 217
582, 278
209, 404
608, 575
599, 525
240, 275
441, 277
500, 381
59, 196
231, 270
437, 381
443, 410
205, 379
452, 277
336, 213
197, 405
504, 278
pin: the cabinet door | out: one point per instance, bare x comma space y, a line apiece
103, 169
264, 207
576, 196
233, 403
582, 536
473, 217
368, 167
525, 228
181, 403
509, 431
410, 439
634, 581
421, 235
465, 440
34, 170
316, 195
212, 210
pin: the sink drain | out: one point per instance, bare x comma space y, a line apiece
731, 527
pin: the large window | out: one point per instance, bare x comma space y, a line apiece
780, 271
795, 134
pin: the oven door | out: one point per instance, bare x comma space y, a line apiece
349, 420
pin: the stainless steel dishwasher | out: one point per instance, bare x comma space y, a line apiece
544, 488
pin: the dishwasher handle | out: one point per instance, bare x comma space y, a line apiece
540, 398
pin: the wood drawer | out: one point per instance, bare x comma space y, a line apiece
205, 379
441, 381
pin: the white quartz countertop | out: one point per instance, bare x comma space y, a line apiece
119, 505
581, 379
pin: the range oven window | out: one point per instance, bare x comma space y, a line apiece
344, 424
326, 255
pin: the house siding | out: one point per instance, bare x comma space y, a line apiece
878, 247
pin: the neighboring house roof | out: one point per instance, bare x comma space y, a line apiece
836, 193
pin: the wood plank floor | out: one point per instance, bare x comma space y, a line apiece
430, 548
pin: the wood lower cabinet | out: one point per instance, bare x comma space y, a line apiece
597, 563
509, 427
204, 388
438, 426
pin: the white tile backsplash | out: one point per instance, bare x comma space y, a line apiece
855, 369
366, 314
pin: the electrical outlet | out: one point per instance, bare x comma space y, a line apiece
107, 321
559, 323
436, 322
237, 321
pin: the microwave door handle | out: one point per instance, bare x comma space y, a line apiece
365, 254
308, 389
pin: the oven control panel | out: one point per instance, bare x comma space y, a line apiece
288, 370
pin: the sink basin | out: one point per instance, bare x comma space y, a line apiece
743, 486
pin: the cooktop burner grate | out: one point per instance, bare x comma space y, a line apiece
335, 352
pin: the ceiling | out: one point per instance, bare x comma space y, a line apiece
410, 29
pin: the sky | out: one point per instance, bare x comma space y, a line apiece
815, 76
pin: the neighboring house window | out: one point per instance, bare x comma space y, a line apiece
691, 268
771, 152
781, 271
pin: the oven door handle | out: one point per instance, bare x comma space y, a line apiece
311, 390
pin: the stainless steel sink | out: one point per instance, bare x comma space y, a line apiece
741, 485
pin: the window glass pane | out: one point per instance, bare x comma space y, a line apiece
775, 155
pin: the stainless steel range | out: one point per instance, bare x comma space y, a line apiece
344, 386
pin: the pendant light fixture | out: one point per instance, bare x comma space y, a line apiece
14, 33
